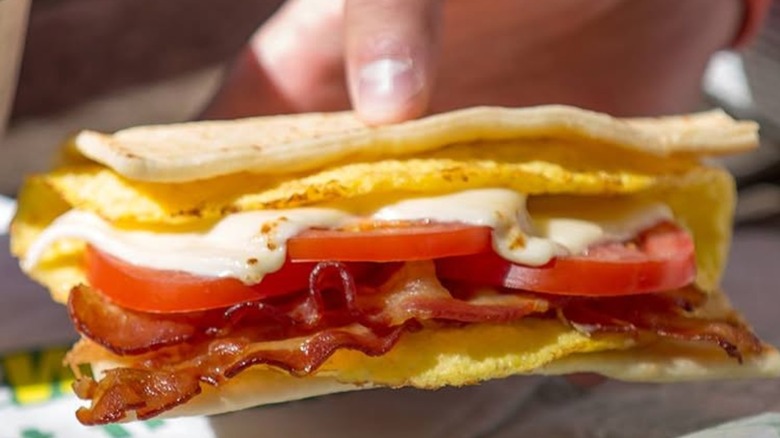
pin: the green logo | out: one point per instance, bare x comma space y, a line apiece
36, 377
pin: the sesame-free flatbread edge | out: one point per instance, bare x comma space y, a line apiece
304, 142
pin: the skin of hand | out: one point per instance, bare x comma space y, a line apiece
392, 60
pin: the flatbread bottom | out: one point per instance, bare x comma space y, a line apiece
432, 359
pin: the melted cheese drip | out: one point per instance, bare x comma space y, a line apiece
502, 210
225, 250
243, 245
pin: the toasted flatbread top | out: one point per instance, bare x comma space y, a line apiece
298, 143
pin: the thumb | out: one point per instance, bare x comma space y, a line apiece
390, 50
293, 63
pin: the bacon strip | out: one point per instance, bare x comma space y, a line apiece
125, 331
662, 315
156, 387
123, 390
313, 351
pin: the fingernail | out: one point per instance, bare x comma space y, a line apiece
385, 87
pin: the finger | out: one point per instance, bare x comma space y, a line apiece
293, 63
390, 50
302, 49
245, 91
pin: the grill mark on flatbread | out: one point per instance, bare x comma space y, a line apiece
299, 143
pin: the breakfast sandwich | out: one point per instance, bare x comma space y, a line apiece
214, 266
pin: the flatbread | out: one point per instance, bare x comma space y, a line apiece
259, 387
298, 143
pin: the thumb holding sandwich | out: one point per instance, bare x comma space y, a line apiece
383, 57
376, 56
390, 49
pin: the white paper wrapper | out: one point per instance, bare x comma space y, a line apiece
761, 426
7, 208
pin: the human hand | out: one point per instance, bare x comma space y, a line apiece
395, 59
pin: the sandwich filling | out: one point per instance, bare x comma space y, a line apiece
289, 288
250, 245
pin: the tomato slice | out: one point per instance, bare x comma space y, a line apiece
381, 242
153, 290
660, 259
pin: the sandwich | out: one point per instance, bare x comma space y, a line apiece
214, 266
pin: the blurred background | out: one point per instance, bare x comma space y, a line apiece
106, 65
111, 64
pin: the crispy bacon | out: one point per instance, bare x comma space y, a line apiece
123, 390
297, 334
662, 315
174, 354
159, 385
125, 331
313, 351
412, 293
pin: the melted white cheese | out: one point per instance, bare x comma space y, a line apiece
556, 229
582, 226
251, 244
500, 209
243, 245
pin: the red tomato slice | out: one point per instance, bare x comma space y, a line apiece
661, 259
154, 290
396, 242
